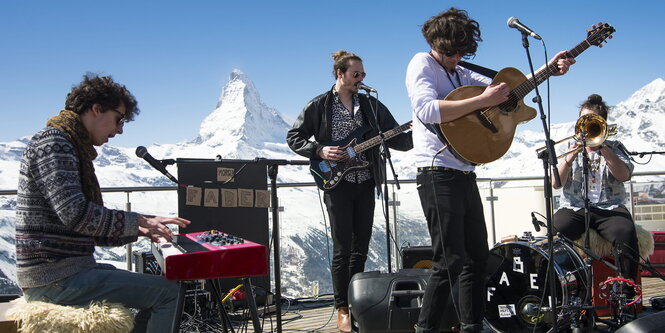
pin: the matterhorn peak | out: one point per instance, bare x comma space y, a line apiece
237, 74
241, 116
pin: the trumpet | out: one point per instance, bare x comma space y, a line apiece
593, 128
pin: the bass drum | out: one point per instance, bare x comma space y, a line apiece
517, 295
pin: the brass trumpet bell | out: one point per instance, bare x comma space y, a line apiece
593, 128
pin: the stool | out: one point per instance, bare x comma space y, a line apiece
600, 272
604, 248
98, 317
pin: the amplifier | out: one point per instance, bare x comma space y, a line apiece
145, 263
390, 302
417, 257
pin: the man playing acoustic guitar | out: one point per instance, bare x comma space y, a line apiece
446, 183
330, 117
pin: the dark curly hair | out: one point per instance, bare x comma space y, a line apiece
341, 60
595, 102
452, 31
95, 89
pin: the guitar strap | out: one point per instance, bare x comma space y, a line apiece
436, 129
490, 73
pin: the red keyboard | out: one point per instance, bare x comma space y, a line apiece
210, 255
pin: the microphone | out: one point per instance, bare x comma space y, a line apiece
142, 152
513, 22
366, 87
536, 225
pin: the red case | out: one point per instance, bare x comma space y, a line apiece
600, 274
657, 259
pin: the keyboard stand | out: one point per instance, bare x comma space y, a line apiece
226, 321
251, 304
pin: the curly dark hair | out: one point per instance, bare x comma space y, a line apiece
595, 102
96, 89
341, 60
452, 31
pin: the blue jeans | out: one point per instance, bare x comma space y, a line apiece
154, 296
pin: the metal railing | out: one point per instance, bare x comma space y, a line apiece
492, 187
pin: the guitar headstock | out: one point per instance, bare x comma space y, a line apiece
599, 33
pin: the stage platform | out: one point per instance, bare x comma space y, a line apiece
320, 316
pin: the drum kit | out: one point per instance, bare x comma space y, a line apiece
525, 270
519, 299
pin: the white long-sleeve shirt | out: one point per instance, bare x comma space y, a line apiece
426, 84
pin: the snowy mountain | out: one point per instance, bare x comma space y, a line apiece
241, 123
243, 127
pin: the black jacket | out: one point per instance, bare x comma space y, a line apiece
316, 118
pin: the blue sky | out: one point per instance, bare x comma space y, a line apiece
175, 56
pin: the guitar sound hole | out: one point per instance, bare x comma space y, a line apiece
510, 105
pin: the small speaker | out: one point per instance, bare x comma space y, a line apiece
417, 257
391, 302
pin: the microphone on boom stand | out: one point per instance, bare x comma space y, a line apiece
366, 87
641, 154
142, 152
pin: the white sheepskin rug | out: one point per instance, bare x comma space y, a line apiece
98, 317
603, 248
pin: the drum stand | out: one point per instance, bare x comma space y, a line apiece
622, 316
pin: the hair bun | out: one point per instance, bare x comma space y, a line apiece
339, 55
595, 99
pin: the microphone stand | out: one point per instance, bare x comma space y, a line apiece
167, 162
548, 157
384, 157
641, 154
591, 313
273, 166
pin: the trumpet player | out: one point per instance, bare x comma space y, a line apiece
608, 168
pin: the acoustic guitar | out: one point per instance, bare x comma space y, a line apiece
485, 135
327, 174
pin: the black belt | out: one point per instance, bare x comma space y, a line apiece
442, 168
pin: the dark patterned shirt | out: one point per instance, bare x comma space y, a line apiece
343, 124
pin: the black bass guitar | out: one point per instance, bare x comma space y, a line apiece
327, 174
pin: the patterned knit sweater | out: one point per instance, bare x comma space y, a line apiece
57, 228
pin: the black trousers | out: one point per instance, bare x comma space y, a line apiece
615, 225
454, 211
351, 212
